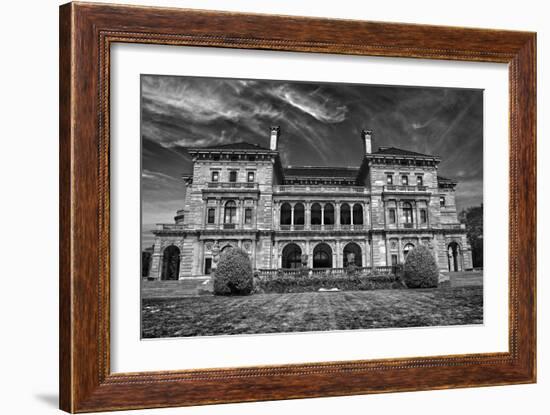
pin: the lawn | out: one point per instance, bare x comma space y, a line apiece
314, 311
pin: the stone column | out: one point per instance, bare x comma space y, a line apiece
200, 269
428, 225
292, 216
385, 213
240, 213
323, 216
400, 256
415, 210
220, 214
156, 261
397, 213
307, 215
337, 213
364, 254
255, 214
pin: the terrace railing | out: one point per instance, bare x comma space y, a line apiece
453, 226
313, 188
232, 185
320, 272
335, 227
404, 188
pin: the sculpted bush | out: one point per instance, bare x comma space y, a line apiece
234, 274
420, 269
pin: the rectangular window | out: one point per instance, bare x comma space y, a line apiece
423, 215
233, 176
394, 259
405, 180
442, 201
392, 215
250, 177
211, 215
389, 179
215, 176
208, 266
419, 181
248, 216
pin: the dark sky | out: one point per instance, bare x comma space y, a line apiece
320, 126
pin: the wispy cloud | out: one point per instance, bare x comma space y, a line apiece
314, 103
155, 175
320, 125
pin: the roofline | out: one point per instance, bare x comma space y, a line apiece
322, 167
402, 156
226, 150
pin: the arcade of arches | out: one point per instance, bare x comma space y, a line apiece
322, 255
324, 214
170, 263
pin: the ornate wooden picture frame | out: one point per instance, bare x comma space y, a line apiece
87, 32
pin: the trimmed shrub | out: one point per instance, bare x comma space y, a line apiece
234, 273
299, 284
420, 269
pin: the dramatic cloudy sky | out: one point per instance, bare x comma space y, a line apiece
320, 126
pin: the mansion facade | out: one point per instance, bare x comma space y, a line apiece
240, 195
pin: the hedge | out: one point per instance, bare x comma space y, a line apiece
233, 276
420, 269
299, 284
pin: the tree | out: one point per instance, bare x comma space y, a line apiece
473, 219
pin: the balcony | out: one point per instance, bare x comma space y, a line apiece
322, 228
394, 188
453, 226
304, 189
170, 227
232, 185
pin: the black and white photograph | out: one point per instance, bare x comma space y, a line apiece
275, 206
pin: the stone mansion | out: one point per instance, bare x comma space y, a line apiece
241, 195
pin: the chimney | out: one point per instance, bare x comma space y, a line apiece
366, 136
275, 133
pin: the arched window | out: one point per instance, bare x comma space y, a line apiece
230, 215
226, 248
322, 256
352, 252
329, 214
170, 263
408, 212
407, 249
316, 214
292, 256
345, 214
285, 214
357, 214
299, 218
